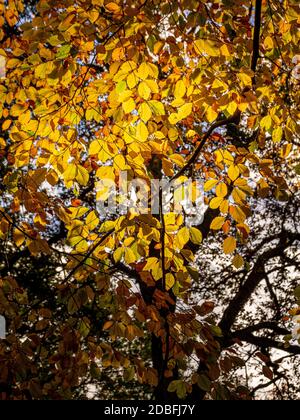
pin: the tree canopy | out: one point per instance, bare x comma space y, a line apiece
149, 186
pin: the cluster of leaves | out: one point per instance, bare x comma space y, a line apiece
253, 300
97, 87
57, 335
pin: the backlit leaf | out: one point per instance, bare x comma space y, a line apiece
217, 223
233, 172
195, 235
206, 46
229, 245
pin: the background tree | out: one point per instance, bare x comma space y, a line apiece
159, 90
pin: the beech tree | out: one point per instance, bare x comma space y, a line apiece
149, 186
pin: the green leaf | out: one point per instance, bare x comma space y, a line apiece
297, 292
63, 52
196, 236
84, 327
216, 331
204, 383
193, 273
297, 169
129, 374
172, 386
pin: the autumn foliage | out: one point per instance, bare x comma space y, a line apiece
181, 91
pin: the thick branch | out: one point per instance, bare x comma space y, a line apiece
256, 36
255, 277
268, 325
264, 342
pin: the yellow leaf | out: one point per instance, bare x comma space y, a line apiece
221, 190
6, 124
173, 134
177, 102
93, 15
70, 173
266, 122
112, 7
144, 90
82, 175
170, 281
92, 221
154, 266
153, 85
233, 172
209, 185
95, 147
268, 43
174, 118
225, 50
185, 110
178, 159
180, 89
142, 132
286, 150
217, 223
237, 214
153, 70
211, 114
229, 245
216, 202
105, 172
191, 133
120, 163
183, 236
145, 112
227, 157
129, 256
238, 261
277, 134
40, 70
231, 108
118, 254
245, 79
206, 46
170, 219
128, 106
143, 71
132, 80
224, 207
157, 107
239, 196
19, 237
159, 135
196, 235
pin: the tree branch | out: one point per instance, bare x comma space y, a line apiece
268, 325
264, 342
255, 277
256, 37
233, 119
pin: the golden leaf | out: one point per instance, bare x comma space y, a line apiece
217, 223
216, 202
221, 190
229, 245
196, 235
206, 46
233, 172
209, 185
128, 106
145, 112
180, 89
